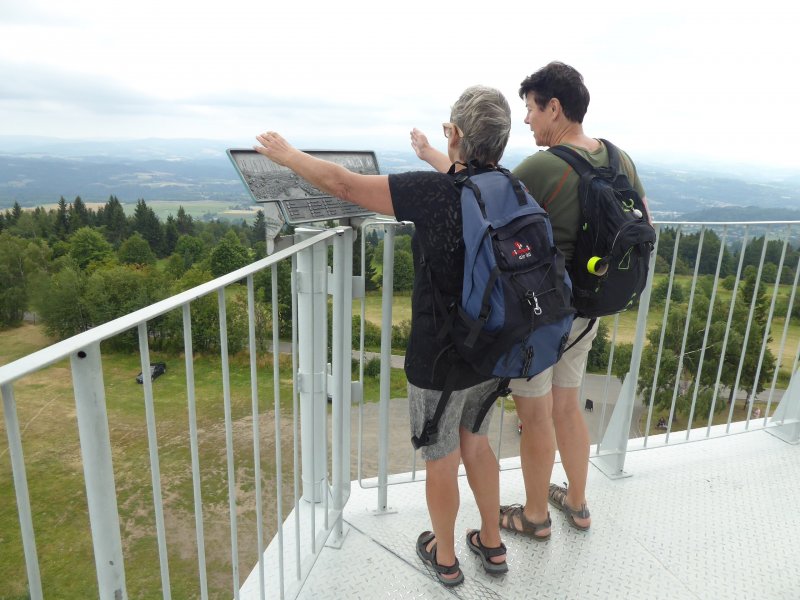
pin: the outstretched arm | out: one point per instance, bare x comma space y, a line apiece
370, 191
438, 160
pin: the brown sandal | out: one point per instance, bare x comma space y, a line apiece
529, 528
557, 496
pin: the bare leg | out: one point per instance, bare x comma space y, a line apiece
537, 453
441, 491
572, 436
483, 475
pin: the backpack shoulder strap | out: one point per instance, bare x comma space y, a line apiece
430, 430
613, 155
516, 185
580, 165
583, 334
502, 389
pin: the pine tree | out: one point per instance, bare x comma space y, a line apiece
184, 222
171, 235
148, 225
79, 215
61, 228
115, 221
257, 232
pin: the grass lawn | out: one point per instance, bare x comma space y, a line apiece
373, 308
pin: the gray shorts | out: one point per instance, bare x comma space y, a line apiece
461, 411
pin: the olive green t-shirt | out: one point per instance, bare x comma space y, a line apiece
554, 185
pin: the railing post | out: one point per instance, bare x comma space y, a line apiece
612, 449
340, 285
786, 418
101, 495
386, 367
21, 489
311, 317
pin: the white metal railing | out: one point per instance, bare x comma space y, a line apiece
320, 471
313, 377
616, 433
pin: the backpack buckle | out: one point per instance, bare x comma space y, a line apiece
428, 437
533, 301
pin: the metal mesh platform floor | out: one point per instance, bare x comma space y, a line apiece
709, 519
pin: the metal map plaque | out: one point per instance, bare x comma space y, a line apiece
300, 202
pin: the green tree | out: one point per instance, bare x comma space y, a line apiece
659, 293
263, 282
693, 376
171, 235
87, 246
257, 233
184, 222
148, 225
115, 222
79, 215
369, 268
190, 249
16, 212
59, 301
205, 316
228, 255
597, 360
62, 228
136, 251
20, 262
403, 271
118, 290
750, 353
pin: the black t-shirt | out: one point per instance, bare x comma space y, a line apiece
432, 202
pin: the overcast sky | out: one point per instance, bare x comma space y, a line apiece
668, 80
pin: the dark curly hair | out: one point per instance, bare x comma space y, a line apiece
558, 80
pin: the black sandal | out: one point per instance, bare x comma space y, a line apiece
487, 553
429, 558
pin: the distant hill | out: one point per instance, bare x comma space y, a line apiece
36, 171
742, 213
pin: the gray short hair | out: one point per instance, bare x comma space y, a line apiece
484, 116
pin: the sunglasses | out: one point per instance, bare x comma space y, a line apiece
448, 129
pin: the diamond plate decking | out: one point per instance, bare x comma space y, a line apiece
710, 519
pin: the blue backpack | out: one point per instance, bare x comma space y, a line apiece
516, 309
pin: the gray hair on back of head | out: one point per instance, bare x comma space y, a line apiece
484, 116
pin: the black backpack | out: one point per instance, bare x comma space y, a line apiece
612, 252
515, 312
